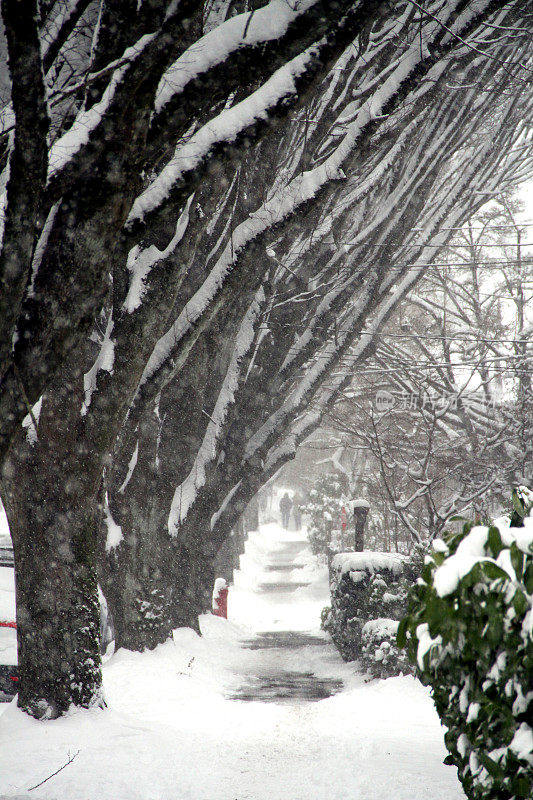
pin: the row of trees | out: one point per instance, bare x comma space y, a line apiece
203, 218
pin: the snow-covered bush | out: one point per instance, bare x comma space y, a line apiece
380, 654
323, 506
365, 588
470, 631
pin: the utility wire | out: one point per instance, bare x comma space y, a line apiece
423, 244
424, 337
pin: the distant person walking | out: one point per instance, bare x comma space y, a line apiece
297, 512
285, 505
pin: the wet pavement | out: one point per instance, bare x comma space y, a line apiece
273, 683
290, 640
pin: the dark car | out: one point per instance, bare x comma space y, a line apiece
6, 556
8, 660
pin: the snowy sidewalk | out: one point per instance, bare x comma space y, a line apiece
172, 731
284, 673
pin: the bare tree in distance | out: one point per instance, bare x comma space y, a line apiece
444, 406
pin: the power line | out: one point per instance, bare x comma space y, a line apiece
497, 263
424, 244
478, 228
480, 362
435, 364
428, 367
424, 337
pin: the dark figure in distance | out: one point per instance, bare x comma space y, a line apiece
297, 512
285, 505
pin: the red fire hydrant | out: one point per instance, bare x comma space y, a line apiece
220, 598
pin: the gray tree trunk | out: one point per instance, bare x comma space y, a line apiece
52, 520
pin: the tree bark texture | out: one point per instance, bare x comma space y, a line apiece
52, 521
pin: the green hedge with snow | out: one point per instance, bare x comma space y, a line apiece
470, 632
369, 593
380, 655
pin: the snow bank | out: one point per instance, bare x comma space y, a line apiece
172, 731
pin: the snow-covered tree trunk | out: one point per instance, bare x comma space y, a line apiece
140, 564
58, 617
48, 489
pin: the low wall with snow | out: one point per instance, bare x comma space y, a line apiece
368, 598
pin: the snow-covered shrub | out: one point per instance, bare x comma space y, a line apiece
380, 655
470, 631
323, 506
367, 587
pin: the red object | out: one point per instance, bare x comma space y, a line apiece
220, 603
8, 624
344, 518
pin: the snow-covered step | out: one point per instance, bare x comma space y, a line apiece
273, 560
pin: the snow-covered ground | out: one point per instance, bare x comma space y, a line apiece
172, 731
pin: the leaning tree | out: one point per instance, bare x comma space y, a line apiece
205, 432
103, 96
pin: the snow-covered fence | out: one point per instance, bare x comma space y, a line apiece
368, 598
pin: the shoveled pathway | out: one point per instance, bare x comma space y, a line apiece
276, 568
274, 682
